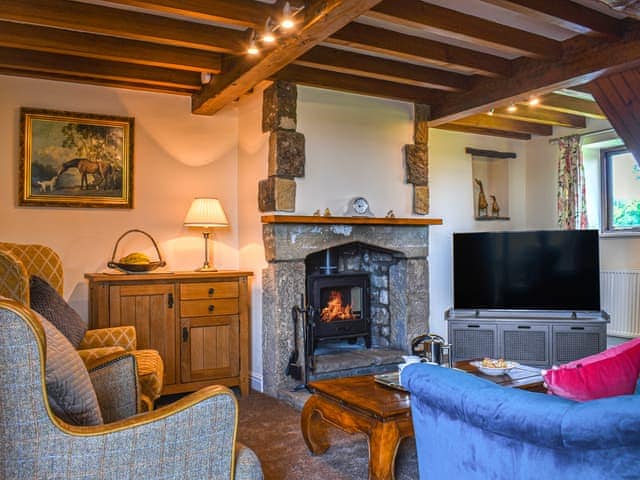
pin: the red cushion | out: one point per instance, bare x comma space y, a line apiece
612, 372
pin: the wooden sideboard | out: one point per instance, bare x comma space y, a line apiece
198, 321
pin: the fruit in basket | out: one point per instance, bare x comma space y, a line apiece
135, 258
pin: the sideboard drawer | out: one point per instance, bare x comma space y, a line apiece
192, 291
205, 307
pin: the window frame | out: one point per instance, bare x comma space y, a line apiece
606, 203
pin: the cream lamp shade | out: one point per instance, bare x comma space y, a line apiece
206, 213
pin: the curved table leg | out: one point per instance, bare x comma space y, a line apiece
384, 439
314, 429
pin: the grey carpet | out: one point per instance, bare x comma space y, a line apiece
272, 429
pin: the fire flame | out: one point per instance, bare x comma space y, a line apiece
335, 310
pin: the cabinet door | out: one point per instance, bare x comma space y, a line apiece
149, 308
525, 343
471, 340
209, 347
571, 342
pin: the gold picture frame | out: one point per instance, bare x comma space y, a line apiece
70, 159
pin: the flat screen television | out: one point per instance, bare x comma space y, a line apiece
538, 270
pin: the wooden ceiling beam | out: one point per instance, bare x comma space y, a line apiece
453, 24
126, 24
545, 117
568, 15
584, 58
341, 61
505, 124
88, 67
321, 19
355, 84
484, 131
44, 39
573, 105
102, 82
245, 13
374, 39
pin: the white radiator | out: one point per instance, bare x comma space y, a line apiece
620, 298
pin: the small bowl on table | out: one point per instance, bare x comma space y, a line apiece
494, 371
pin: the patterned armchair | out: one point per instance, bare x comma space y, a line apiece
18, 262
193, 438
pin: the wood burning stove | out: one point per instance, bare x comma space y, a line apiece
339, 307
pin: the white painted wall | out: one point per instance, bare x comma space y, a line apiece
253, 151
177, 157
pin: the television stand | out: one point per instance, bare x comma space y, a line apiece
531, 337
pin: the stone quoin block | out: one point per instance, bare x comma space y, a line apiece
420, 199
276, 194
421, 115
417, 162
286, 154
279, 106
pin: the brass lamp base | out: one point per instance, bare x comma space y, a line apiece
206, 266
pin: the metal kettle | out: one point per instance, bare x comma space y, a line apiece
432, 347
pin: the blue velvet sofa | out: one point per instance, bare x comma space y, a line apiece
470, 429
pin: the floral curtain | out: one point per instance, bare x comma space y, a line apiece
572, 205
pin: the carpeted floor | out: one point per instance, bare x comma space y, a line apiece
272, 429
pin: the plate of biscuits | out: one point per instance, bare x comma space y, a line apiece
490, 366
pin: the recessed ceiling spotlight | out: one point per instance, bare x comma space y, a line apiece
490, 112
253, 47
205, 77
267, 35
512, 108
287, 22
533, 101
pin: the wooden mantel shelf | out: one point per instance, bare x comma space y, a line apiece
316, 219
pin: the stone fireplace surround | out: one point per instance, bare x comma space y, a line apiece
289, 240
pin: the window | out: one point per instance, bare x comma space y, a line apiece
620, 191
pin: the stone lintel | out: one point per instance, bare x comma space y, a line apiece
421, 115
421, 200
279, 106
293, 242
277, 194
286, 154
417, 162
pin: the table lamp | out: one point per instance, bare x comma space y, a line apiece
206, 213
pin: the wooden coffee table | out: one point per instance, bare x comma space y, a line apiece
383, 414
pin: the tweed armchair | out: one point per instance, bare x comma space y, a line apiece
193, 438
18, 262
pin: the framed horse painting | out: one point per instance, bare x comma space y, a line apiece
75, 159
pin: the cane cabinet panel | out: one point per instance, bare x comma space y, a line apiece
198, 321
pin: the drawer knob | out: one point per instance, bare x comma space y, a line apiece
211, 291
211, 307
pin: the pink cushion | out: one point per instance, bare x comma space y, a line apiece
612, 372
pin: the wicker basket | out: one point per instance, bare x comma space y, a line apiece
136, 267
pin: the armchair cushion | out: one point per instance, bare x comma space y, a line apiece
71, 394
49, 303
115, 382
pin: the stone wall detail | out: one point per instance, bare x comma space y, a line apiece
417, 159
286, 148
396, 258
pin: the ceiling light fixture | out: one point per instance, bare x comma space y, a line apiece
287, 22
533, 101
253, 47
490, 112
512, 108
268, 35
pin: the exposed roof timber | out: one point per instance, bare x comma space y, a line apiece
505, 124
538, 115
565, 14
341, 61
103, 47
573, 105
247, 13
355, 84
93, 81
408, 47
484, 131
583, 60
132, 25
98, 69
322, 18
418, 14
